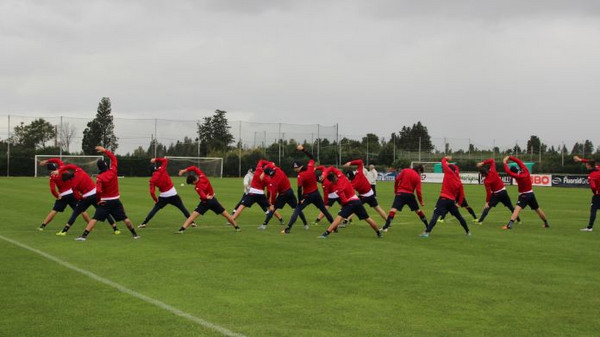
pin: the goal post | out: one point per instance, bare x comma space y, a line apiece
212, 166
87, 163
428, 166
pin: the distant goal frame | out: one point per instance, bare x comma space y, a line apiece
63, 157
220, 159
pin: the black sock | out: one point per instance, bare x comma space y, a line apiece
388, 221
66, 229
510, 223
115, 228
85, 233
43, 225
317, 220
132, 230
326, 233
472, 212
181, 229
546, 222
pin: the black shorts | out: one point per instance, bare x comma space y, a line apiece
313, 198
174, 200
284, 198
85, 203
332, 201
527, 199
500, 197
370, 200
64, 201
405, 199
110, 207
210, 204
353, 207
596, 201
443, 205
251, 199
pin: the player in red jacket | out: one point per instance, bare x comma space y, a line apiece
362, 185
526, 195
64, 196
168, 194
280, 192
330, 197
308, 190
594, 180
407, 183
351, 204
107, 191
85, 192
256, 194
494, 188
448, 202
207, 198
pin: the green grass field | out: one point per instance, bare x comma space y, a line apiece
525, 282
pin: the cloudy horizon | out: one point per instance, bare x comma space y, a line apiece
487, 71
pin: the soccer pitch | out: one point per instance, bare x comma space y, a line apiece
212, 281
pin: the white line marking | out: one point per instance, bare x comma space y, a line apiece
128, 291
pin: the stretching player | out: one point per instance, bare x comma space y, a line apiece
168, 194
329, 195
308, 191
85, 192
280, 193
207, 198
463, 204
594, 180
351, 204
447, 202
107, 188
362, 185
246, 181
407, 183
494, 188
526, 196
256, 194
63, 197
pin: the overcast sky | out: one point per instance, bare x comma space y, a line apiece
490, 71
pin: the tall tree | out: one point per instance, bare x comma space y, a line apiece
214, 133
65, 135
100, 131
411, 137
535, 145
34, 135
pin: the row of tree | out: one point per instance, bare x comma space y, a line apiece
214, 139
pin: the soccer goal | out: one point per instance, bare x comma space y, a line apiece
212, 166
87, 163
428, 166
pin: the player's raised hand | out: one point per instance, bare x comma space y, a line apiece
505, 160
300, 147
100, 149
480, 164
448, 157
43, 163
181, 172
577, 159
346, 165
153, 160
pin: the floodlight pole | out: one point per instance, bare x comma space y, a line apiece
8, 150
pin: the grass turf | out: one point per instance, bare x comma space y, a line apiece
528, 281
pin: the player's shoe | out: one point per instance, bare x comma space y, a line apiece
40, 229
261, 227
81, 238
281, 221
384, 229
440, 221
137, 237
238, 229
285, 231
178, 232
117, 232
476, 220
315, 223
480, 223
322, 236
505, 227
424, 235
469, 234
586, 229
61, 233
306, 227
142, 225
545, 225
379, 234
193, 224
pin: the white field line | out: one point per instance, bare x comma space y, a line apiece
128, 291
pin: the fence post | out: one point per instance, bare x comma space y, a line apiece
8, 150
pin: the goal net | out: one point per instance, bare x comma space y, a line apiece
87, 163
212, 166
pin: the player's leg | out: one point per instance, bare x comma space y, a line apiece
440, 209
47, 219
390, 218
332, 227
317, 200
189, 221
593, 210
456, 213
513, 217
229, 218
157, 207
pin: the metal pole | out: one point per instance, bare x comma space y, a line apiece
367, 149
8, 150
318, 142
279, 150
60, 142
562, 153
394, 141
337, 134
240, 152
420, 147
156, 136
